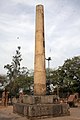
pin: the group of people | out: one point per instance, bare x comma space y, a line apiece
6, 100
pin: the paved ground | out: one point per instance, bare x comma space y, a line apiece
7, 114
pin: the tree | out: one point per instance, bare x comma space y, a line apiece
71, 69
19, 77
67, 76
2, 80
52, 80
21, 82
14, 67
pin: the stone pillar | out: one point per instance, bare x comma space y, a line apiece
39, 62
40, 105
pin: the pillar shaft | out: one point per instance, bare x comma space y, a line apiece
39, 62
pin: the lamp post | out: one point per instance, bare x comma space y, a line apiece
48, 59
48, 75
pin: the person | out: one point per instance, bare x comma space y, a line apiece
5, 98
21, 96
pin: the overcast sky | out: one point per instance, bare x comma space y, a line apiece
62, 30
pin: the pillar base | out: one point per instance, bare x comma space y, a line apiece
40, 107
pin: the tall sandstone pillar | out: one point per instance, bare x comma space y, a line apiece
39, 62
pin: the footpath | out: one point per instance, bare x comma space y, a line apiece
6, 113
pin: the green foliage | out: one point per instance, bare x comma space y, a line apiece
2, 80
18, 77
14, 67
67, 76
71, 73
20, 82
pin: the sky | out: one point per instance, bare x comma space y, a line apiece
17, 28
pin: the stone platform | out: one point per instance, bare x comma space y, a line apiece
40, 107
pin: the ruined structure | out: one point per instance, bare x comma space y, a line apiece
40, 105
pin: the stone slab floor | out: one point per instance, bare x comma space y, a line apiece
7, 114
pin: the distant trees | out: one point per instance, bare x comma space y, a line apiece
21, 82
71, 74
67, 76
65, 79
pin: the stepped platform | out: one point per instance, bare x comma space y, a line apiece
41, 107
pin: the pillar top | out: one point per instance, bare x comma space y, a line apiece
39, 5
